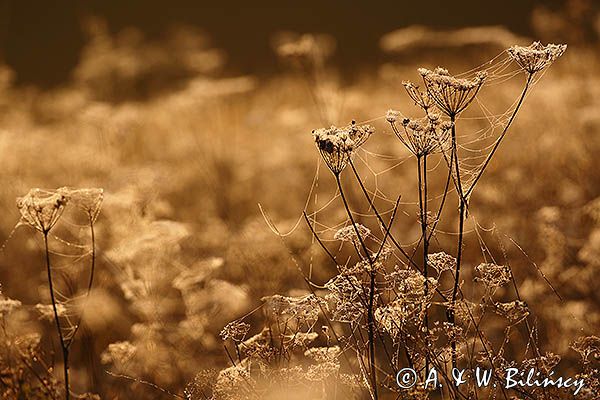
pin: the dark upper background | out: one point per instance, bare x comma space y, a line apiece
41, 40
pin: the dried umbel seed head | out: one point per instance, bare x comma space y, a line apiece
420, 98
514, 311
235, 330
451, 95
348, 233
337, 145
536, 56
88, 199
492, 275
424, 136
442, 262
41, 209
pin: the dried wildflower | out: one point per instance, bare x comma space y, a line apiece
392, 318
235, 330
442, 262
424, 136
118, 353
200, 385
536, 56
47, 311
492, 275
8, 305
348, 233
515, 311
344, 298
258, 345
451, 95
41, 209
88, 199
587, 346
234, 382
420, 98
337, 145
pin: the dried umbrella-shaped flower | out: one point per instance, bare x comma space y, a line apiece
88, 199
421, 99
451, 95
536, 56
337, 145
41, 209
422, 136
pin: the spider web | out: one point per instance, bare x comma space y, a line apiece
477, 133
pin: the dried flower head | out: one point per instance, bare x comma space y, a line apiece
442, 262
536, 56
348, 233
41, 209
88, 199
514, 311
451, 95
424, 136
492, 275
235, 330
337, 145
421, 99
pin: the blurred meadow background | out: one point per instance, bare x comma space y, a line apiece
189, 118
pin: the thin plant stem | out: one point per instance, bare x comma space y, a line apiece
504, 131
370, 311
64, 347
461, 226
422, 181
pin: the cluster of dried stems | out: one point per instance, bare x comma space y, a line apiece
42, 209
388, 308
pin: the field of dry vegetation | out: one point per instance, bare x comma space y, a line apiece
209, 236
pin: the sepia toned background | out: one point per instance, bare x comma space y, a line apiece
186, 116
